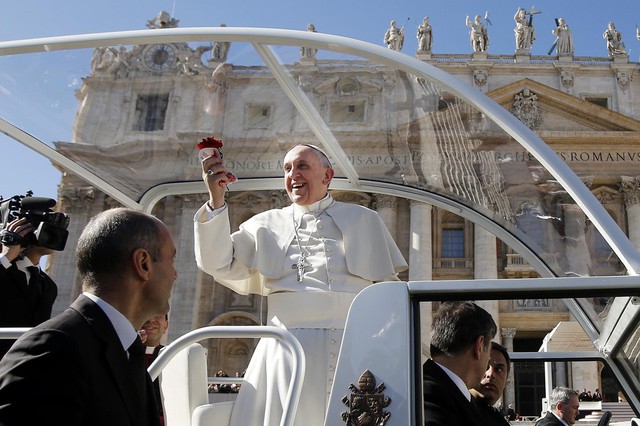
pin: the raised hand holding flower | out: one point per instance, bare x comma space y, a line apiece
213, 147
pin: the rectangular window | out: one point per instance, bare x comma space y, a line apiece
453, 243
257, 116
151, 111
347, 112
603, 102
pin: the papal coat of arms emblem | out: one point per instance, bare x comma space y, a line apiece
366, 403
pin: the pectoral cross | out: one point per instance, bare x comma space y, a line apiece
300, 264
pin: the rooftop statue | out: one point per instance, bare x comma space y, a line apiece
524, 31
220, 50
478, 36
163, 20
615, 46
309, 52
564, 38
394, 37
424, 36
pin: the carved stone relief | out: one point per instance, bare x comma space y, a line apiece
566, 78
623, 79
525, 107
480, 77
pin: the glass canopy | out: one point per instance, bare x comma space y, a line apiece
106, 108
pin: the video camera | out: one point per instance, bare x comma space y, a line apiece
51, 227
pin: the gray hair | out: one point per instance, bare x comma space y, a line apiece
560, 394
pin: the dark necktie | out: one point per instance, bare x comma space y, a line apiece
34, 283
138, 370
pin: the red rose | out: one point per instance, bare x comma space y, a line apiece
210, 143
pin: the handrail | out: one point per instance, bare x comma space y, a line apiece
7, 333
298, 367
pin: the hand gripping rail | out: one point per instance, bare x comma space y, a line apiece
298, 367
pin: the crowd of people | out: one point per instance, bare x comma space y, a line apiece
586, 395
225, 387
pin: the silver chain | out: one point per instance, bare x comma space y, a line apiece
301, 264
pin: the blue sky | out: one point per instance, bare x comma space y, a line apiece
363, 20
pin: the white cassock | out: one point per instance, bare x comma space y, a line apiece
347, 247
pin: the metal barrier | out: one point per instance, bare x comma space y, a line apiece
298, 367
12, 332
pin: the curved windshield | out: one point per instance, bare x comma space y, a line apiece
110, 109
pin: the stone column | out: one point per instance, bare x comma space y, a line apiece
421, 263
80, 202
485, 266
578, 256
560, 378
509, 396
387, 207
630, 188
186, 289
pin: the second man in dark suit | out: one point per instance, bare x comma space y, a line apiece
564, 407
489, 391
460, 346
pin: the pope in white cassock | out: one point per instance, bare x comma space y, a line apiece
311, 259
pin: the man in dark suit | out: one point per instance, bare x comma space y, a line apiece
460, 346
564, 407
87, 364
490, 389
26, 292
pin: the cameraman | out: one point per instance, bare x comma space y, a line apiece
26, 292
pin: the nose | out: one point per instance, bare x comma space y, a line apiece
489, 374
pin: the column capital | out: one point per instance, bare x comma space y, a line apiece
386, 201
508, 333
77, 197
192, 200
630, 188
415, 203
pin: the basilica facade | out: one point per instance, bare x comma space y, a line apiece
154, 102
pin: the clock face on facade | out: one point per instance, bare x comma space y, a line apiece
159, 57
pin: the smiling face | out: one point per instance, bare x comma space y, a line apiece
155, 328
495, 378
306, 179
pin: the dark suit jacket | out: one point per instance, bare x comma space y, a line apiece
72, 371
549, 420
444, 404
17, 309
491, 415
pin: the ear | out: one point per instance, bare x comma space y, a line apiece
141, 260
478, 347
328, 175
